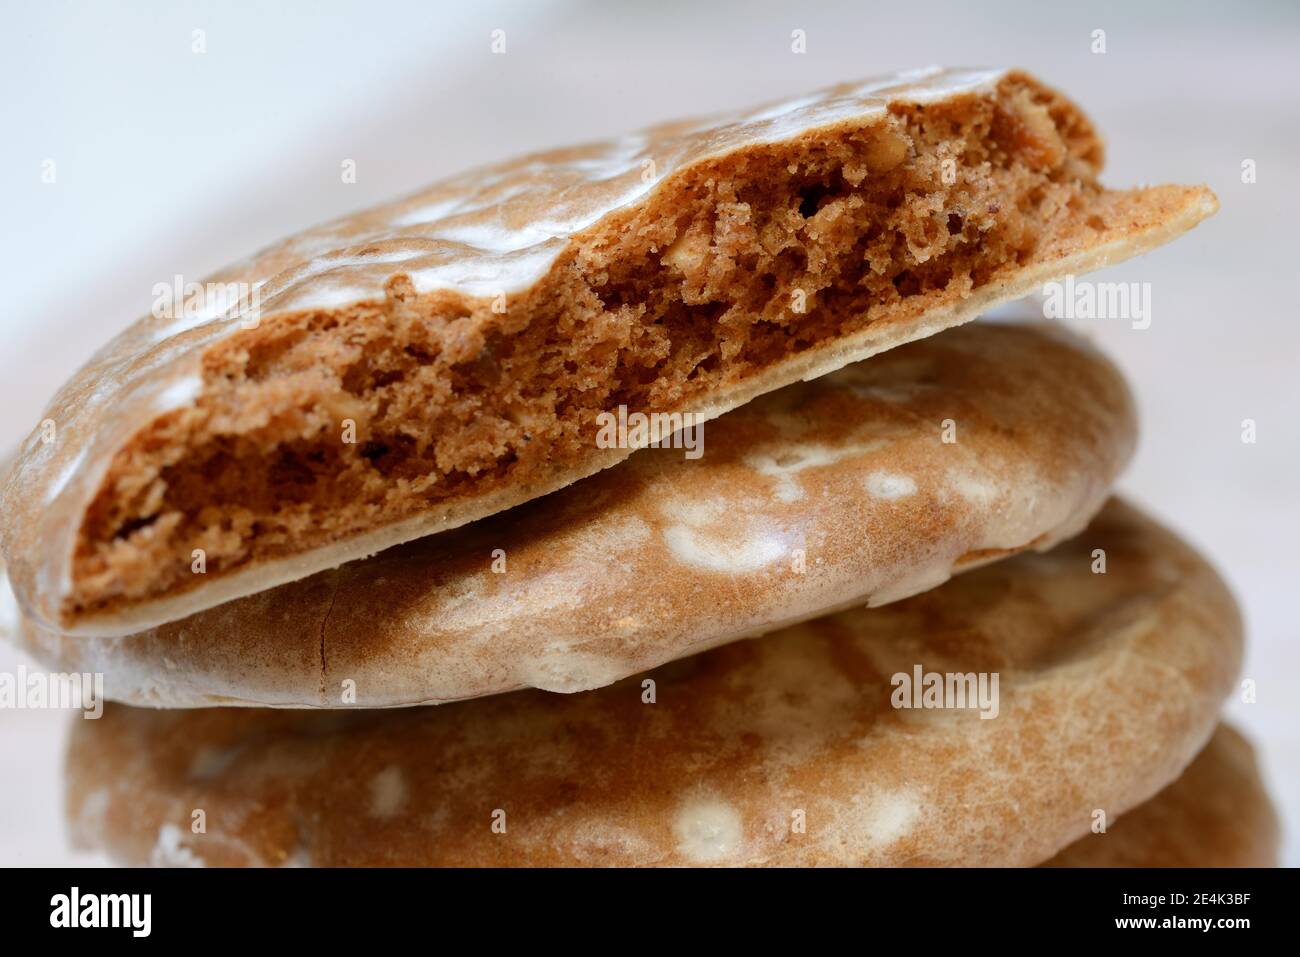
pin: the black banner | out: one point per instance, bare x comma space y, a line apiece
334, 907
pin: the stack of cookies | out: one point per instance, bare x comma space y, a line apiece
555, 435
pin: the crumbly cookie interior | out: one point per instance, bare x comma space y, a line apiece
729, 268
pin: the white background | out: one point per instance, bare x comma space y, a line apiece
169, 162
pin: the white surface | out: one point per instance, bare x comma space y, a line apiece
170, 161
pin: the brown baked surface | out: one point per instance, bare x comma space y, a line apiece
896, 207
663, 556
1217, 814
1109, 685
